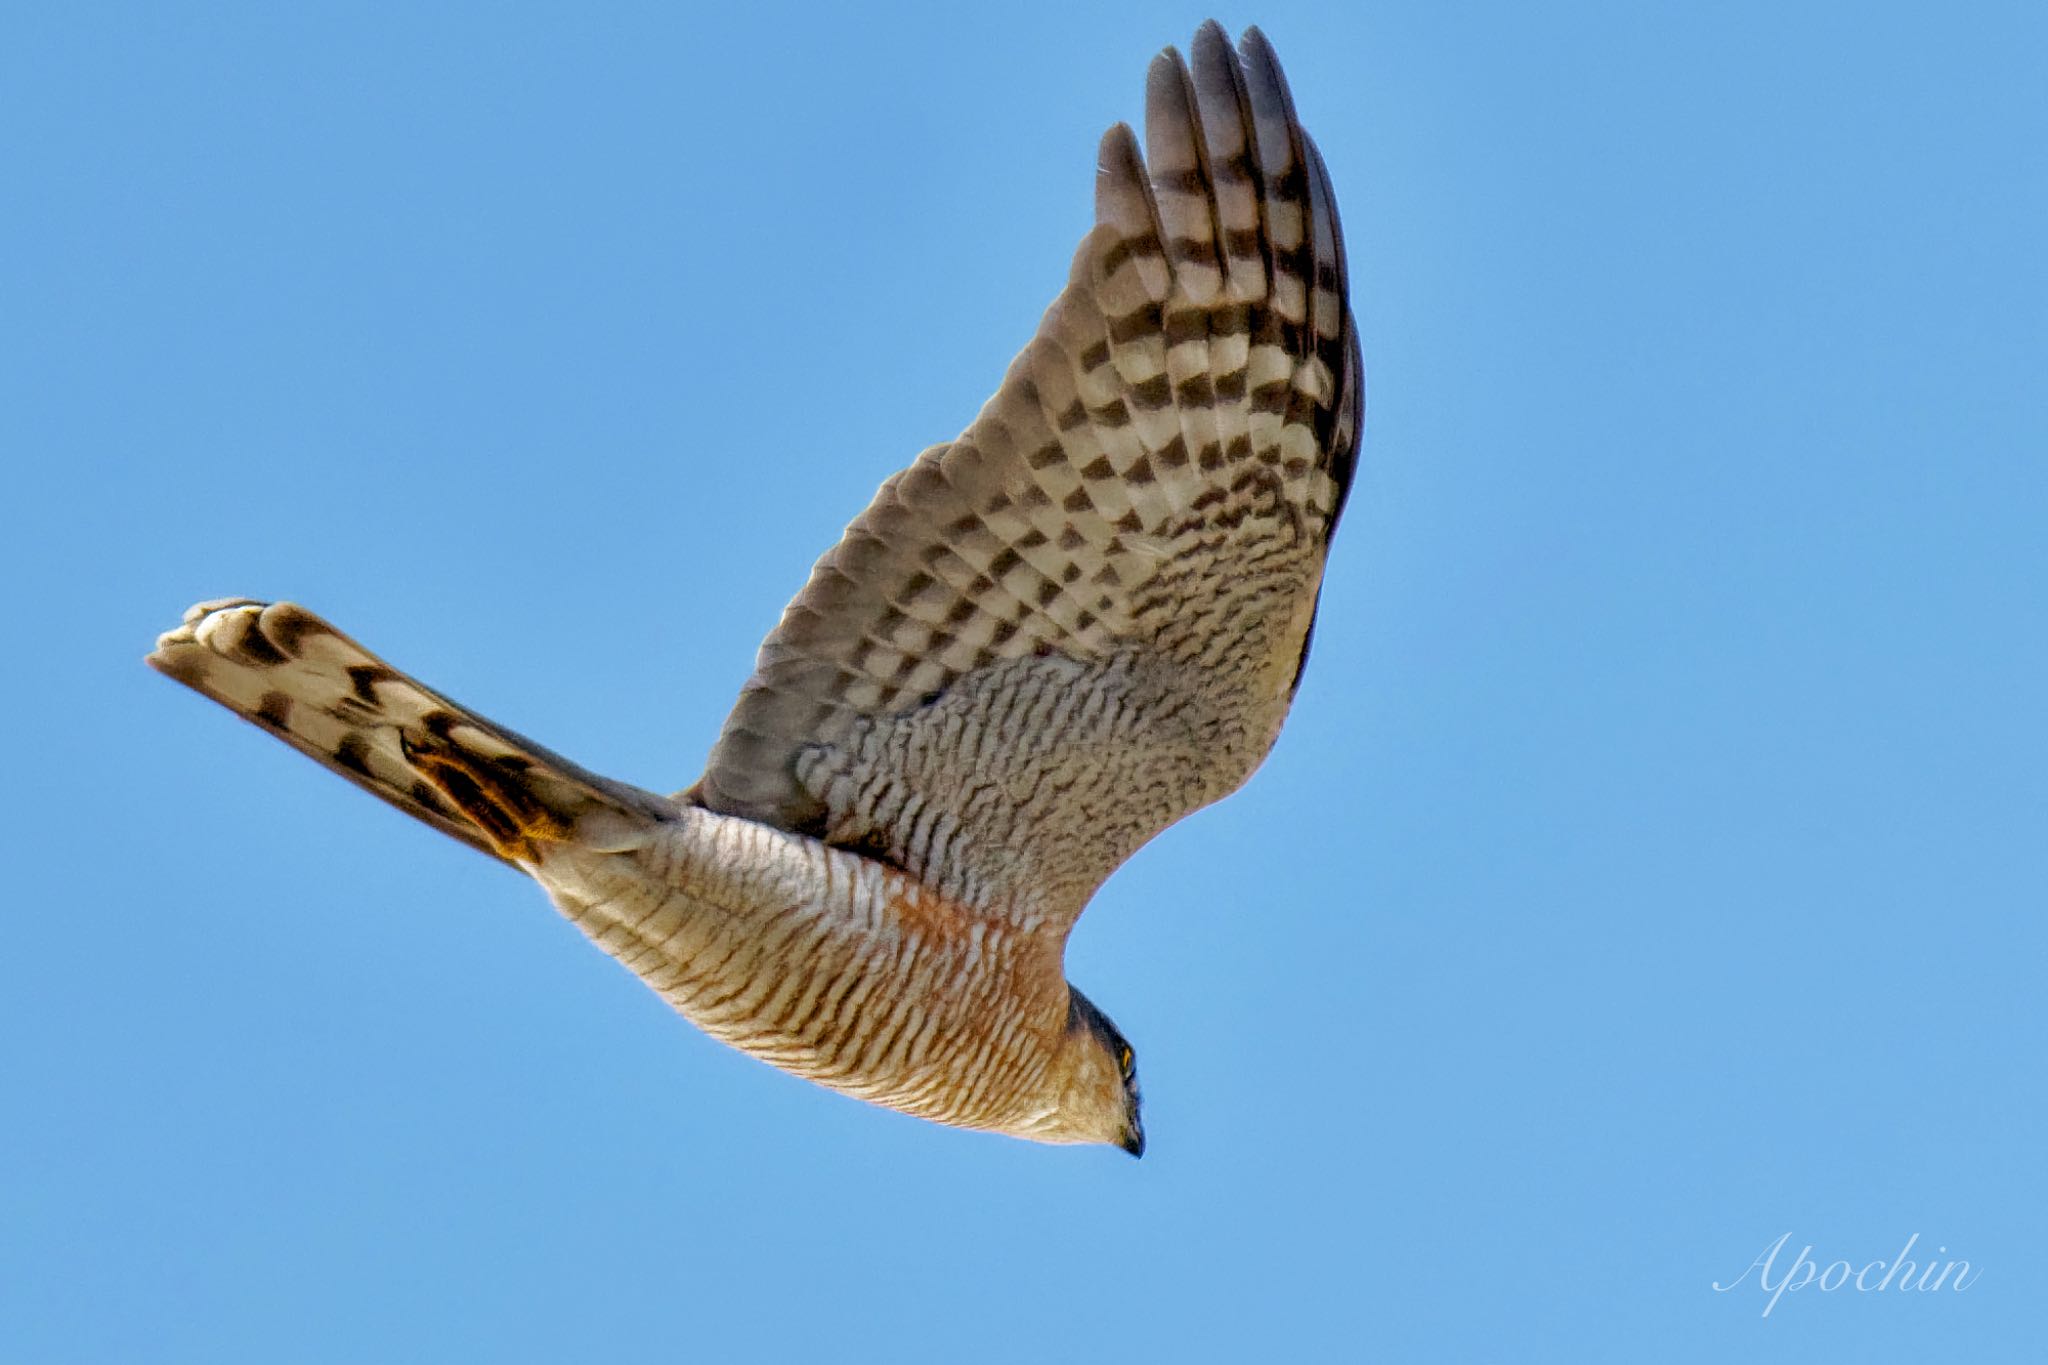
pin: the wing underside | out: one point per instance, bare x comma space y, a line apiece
1085, 617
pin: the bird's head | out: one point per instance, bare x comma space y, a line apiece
1095, 1078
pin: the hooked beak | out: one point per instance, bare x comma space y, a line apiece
1134, 1139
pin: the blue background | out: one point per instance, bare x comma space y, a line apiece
1654, 863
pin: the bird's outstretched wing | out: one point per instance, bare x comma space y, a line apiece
1050, 639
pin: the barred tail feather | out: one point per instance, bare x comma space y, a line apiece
283, 668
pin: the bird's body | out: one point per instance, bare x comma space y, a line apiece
830, 965
1042, 643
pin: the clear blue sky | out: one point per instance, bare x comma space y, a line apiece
1654, 864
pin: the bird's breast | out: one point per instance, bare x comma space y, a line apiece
828, 965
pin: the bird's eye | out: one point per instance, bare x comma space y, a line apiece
1125, 1059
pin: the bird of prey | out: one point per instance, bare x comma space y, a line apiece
1041, 644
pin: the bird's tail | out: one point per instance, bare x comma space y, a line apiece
285, 669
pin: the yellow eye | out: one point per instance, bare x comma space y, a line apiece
1124, 1058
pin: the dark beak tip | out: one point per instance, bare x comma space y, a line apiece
1134, 1143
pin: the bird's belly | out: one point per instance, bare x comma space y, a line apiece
828, 966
